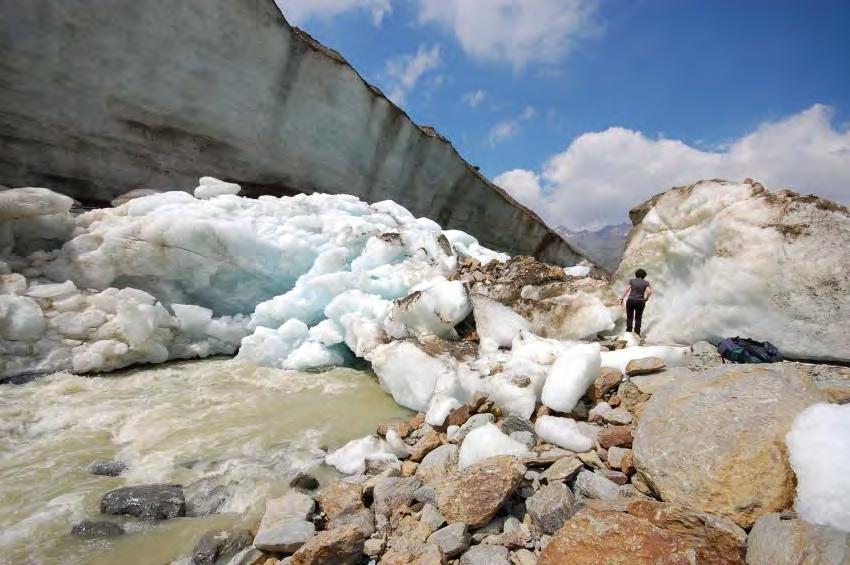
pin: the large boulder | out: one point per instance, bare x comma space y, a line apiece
476, 494
783, 540
728, 259
715, 441
146, 502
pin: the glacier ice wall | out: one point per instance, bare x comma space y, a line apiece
135, 95
728, 259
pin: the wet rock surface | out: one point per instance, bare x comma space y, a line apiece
146, 502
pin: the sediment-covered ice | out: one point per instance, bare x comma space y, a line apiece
819, 452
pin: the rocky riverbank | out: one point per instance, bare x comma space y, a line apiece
685, 465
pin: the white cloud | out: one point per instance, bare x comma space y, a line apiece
516, 31
474, 98
404, 71
601, 175
508, 129
300, 11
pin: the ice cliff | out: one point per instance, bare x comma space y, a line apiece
729, 259
150, 95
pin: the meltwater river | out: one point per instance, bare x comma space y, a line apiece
231, 433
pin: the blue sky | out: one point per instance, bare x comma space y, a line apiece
583, 108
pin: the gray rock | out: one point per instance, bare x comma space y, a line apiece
617, 416
432, 517
723, 420
650, 384
304, 481
452, 540
615, 477
248, 556
216, 544
591, 485
425, 494
545, 458
96, 529
775, 540
616, 455
373, 547
492, 528
292, 505
146, 502
550, 507
528, 439
474, 422
513, 423
486, 555
363, 519
393, 495
523, 557
563, 469
438, 464
107, 468
284, 536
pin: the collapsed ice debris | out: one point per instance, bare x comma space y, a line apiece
731, 259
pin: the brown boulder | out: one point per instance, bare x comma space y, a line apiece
429, 441
340, 498
644, 366
458, 416
613, 538
615, 436
332, 547
607, 381
474, 495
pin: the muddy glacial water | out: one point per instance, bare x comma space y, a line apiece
231, 433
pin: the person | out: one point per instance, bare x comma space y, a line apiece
636, 295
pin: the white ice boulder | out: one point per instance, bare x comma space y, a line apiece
819, 452
433, 308
577, 271
487, 441
672, 355
210, 187
440, 408
21, 318
351, 457
727, 259
497, 322
570, 376
408, 373
563, 432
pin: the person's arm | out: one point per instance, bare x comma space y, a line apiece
626, 292
648, 293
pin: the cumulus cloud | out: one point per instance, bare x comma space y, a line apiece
403, 72
601, 175
300, 11
515, 31
507, 129
474, 98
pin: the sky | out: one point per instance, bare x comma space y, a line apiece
582, 109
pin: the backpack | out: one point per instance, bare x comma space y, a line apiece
746, 350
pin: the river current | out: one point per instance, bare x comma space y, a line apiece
231, 433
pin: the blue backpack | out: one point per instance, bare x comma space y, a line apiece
746, 350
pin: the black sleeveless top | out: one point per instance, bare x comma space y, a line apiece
638, 291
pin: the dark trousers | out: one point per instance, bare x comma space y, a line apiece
634, 312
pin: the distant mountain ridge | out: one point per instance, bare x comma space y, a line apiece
603, 246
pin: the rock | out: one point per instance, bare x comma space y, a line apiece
438, 464
452, 540
525, 438
515, 534
377, 464
403, 429
285, 526
550, 507
546, 457
630, 396
597, 413
607, 381
146, 502
363, 520
429, 441
409, 468
513, 423
373, 547
392, 496
615, 436
248, 556
591, 459
474, 422
719, 422
220, 543
486, 555
304, 481
591, 485
458, 416
715, 539
432, 517
564, 469
425, 494
96, 529
492, 528
639, 483
340, 546
613, 538
476, 494
523, 557
777, 540
407, 541
645, 366
649, 384
617, 456
340, 498
728, 228
107, 468
617, 417
615, 477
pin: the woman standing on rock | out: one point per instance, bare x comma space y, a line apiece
636, 295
